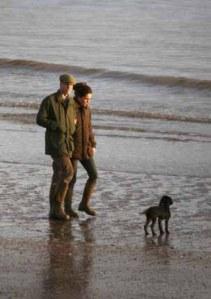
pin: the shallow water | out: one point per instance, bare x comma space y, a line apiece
128, 183
119, 201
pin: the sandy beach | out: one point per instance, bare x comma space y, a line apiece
107, 256
148, 64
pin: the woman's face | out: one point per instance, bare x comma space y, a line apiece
85, 100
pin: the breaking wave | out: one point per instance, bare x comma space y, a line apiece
169, 81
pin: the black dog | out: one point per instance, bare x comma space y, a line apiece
162, 212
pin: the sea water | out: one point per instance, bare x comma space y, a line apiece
148, 63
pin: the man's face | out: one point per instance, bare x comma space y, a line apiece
66, 88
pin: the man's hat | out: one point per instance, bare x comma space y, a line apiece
67, 79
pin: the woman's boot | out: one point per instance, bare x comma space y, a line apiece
84, 204
68, 208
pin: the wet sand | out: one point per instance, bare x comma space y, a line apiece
107, 256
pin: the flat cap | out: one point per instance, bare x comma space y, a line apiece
67, 79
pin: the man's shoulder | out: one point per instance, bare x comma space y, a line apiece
50, 96
49, 99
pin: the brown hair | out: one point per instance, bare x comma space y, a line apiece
81, 89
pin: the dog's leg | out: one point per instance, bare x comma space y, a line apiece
152, 226
160, 226
166, 226
146, 225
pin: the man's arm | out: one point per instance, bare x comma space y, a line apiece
43, 116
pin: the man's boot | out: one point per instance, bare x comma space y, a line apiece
52, 195
84, 204
58, 211
68, 208
56, 205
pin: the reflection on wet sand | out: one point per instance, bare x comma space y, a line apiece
87, 229
161, 240
158, 248
70, 263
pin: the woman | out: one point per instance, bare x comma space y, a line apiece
84, 142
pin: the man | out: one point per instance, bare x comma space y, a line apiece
58, 115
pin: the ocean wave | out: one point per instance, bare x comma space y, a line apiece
118, 113
21, 104
121, 131
152, 115
168, 81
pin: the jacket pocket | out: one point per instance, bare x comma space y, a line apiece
55, 141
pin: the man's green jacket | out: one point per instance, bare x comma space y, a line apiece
59, 118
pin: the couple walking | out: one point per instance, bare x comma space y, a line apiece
69, 138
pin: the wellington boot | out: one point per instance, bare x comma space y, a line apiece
84, 204
51, 212
70, 212
58, 212
85, 208
52, 200
68, 204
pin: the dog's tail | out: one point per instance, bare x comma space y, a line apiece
143, 212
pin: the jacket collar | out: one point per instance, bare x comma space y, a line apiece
78, 104
60, 99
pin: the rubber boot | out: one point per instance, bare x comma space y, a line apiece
68, 200
52, 199
56, 205
58, 212
84, 204
68, 208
